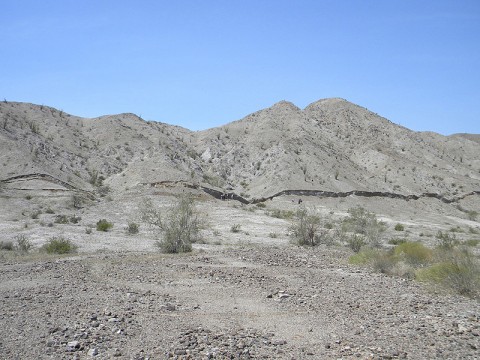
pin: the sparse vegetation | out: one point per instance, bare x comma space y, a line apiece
453, 269
58, 245
305, 229
132, 228
399, 227
446, 240
365, 223
104, 225
235, 228
180, 226
281, 214
23, 244
7, 245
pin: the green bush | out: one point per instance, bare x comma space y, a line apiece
132, 228
459, 272
58, 245
104, 225
413, 253
399, 227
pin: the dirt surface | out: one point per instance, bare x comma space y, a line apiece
237, 302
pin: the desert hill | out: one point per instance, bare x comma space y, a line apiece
331, 145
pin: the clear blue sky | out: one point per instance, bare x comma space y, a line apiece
204, 63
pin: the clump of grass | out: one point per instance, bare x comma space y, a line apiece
132, 228
104, 225
235, 228
58, 245
261, 205
399, 227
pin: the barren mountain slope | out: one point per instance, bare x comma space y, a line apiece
331, 145
338, 146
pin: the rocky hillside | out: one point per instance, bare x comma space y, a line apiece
331, 145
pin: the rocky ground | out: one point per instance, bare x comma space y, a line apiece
240, 303
244, 295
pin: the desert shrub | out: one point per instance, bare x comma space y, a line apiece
179, 227
28, 197
459, 272
132, 228
363, 257
77, 201
472, 215
446, 240
363, 222
49, 211
413, 253
75, 219
61, 219
399, 227
356, 242
6, 245
35, 214
383, 262
281, 214
58, 245
471, 242
104, 225
273, 235
397, 241
23, 243
305, 229
235, 228
472, 230
261, 205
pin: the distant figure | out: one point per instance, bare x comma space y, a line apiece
299, 201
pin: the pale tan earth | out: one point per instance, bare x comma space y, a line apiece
251, 294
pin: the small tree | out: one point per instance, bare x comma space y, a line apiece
179, 227
305, 229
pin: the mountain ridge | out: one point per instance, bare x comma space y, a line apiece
330, 145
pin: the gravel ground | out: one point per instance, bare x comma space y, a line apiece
219, 302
